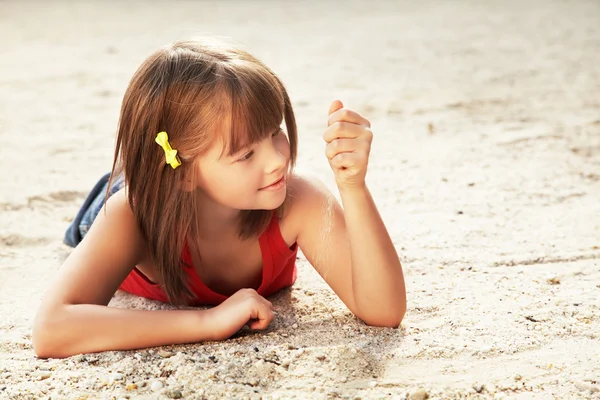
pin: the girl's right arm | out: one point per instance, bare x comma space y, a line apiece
74, 318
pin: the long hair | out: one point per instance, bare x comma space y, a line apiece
189, 89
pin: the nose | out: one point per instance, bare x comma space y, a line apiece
276, 160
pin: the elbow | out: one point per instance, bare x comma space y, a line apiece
391, 318
40, 337
385, 321
44, 337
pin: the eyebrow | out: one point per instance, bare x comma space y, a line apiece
245, 147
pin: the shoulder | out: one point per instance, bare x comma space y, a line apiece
105, 256
118, 217
307, 191
308, 199
117, 207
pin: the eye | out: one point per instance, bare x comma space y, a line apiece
246, 156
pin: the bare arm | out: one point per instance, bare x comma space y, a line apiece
87, 328
73, 317
351, 249
377, 276
364, 268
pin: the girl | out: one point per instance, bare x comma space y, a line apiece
206, 210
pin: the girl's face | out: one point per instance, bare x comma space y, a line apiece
252, 179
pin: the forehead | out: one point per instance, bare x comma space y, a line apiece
234, 135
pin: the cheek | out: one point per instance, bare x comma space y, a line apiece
224, 184
209, 177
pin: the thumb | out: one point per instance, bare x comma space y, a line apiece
335, 105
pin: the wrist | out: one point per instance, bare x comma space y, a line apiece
205, 323
353, 190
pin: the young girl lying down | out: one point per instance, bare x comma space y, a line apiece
202, 208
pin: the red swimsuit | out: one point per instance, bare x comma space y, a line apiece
279, 271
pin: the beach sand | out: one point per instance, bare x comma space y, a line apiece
485, 166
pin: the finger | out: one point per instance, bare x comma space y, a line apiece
347, 115
340, 130
335, 105
254, 324
346, 160
337, 146
263, 319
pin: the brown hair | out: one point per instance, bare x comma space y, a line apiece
192, 90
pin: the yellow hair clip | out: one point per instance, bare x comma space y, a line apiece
170, 154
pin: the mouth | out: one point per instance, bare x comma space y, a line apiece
275, 185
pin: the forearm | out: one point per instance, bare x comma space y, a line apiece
378, 281
88, 328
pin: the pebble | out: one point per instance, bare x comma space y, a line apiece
253, 382
92, 359
553, 280
344, 379
174, 394
518, 377
80, 358
587, 386
295, 326
286, 363
117, 377
156, 386
259, 363
131, 386
165, 354
420, 394
478, 387
43, 375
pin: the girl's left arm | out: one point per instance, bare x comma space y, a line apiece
351, 248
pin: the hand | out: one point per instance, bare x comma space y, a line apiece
244, 307
348, 138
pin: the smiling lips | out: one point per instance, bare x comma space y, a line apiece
278, 184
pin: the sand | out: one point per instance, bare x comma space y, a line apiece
485, 166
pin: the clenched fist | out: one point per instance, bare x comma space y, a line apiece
244, 307
348, 139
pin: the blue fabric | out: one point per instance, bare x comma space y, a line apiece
90, 209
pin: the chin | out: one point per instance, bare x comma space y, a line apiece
273, 203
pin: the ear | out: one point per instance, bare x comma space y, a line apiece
188, 182
187, 185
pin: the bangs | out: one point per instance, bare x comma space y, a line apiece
257, 106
